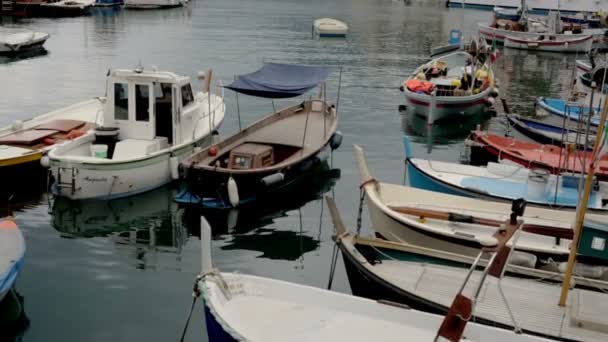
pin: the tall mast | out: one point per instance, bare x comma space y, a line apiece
581, 209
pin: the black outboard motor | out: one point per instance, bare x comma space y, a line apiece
107, 136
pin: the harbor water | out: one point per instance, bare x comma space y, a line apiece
123, 270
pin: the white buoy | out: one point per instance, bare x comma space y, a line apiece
206, 262
233, 192
45, 162
174, 165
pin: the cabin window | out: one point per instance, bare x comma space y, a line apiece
121, 101
142, 102
187, 97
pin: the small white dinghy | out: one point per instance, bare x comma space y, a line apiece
153, 4
242, 307
328, 27
12, 251
13, 41
152, 121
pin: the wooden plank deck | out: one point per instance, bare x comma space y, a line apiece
534, 303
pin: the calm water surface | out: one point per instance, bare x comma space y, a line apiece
123, 270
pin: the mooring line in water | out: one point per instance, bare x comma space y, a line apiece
334, 260
195, 294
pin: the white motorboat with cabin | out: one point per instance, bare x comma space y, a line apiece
152, 120
14, 41
328, 27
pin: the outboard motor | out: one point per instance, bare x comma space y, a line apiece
107, 136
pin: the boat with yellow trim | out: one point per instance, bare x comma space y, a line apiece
24, 143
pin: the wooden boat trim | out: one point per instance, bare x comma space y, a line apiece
200, 160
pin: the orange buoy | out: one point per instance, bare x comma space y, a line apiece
8, 224
213, 151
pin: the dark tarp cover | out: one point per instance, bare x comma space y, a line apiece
277, 81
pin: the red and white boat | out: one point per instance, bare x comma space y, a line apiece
491, 147
551, 43
455, 84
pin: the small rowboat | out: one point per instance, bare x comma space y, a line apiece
555, 159
545, 133
328, 27
562, 108
551, 43
12, 252
19, 41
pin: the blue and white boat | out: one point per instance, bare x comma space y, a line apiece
546, 133
12, 253
561, 108
503, 182
240, 307
513, 14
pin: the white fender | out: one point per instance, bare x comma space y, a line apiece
233, 192
45, 162
174, 165
232, 220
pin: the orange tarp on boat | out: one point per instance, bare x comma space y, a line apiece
533, 155
418, 85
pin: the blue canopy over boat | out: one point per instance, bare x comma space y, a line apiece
279, 81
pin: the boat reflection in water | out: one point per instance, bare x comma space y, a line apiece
13, 320
442, 132
247, 225
146, 228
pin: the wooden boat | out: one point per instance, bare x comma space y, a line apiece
152, 120
552, 43
585, 19
23, 144
556, 160
546, 133
12, 252
15, 41
66, 8
405, 214
558, 107
272, 154
376, 251
281, 311
328, 27
428, 279
503, 182
452, 85
501, 29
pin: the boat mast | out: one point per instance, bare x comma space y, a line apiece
581, 209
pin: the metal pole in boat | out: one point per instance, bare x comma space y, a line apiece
339, 86
429, 116
582, 209
324, 109
306, 124
238, 108
209, 73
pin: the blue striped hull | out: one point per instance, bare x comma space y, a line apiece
215, 331
421, 180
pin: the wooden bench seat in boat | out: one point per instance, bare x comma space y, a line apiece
61, 125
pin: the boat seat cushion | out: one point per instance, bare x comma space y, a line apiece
61, 125
133, 148
28, 137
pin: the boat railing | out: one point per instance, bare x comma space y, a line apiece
462, 309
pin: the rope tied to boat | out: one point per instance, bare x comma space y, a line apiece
196, 293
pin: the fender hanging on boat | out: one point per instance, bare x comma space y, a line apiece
273, 179
233, 192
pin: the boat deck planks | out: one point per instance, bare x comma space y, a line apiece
534, 304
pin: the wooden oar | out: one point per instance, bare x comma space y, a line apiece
456, 217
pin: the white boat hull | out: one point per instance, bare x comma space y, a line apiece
499, 35
446, 106
537, 5
153, 4
327, 27
17, 42
580, 45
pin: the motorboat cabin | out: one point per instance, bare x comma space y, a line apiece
152, 119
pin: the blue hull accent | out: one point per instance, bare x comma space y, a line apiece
558, 107
215, 332
189, 198
332, 35
421, 180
